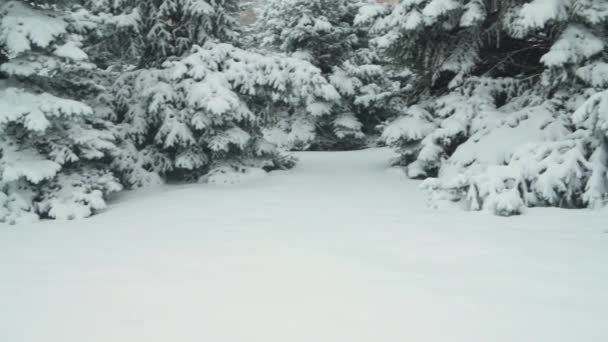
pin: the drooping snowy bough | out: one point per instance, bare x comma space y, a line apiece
510, 104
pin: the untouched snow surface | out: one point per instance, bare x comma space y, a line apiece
339, 250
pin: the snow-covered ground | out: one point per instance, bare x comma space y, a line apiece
339, 249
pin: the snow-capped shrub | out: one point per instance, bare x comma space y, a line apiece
529, 157
508, 100
205, 113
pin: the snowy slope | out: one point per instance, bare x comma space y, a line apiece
339, 249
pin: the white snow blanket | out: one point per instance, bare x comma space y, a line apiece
339, 249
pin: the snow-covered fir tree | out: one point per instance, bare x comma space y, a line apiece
165, 30
196, 106
54, 148
201, 117
329, 35
507, 108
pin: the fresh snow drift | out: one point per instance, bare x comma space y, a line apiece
338, 249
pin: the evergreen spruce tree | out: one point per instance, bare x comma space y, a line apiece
54, 144
496, 113
195, 107
329, 35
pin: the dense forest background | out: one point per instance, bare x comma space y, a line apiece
499, 105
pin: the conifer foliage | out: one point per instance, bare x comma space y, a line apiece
52, 144
195, 106
497, 105
328, 34
507, 111
171, 27
202, 115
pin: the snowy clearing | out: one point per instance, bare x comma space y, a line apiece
338, 249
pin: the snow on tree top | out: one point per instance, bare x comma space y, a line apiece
20, 27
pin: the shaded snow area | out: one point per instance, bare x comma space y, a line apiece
339, 249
